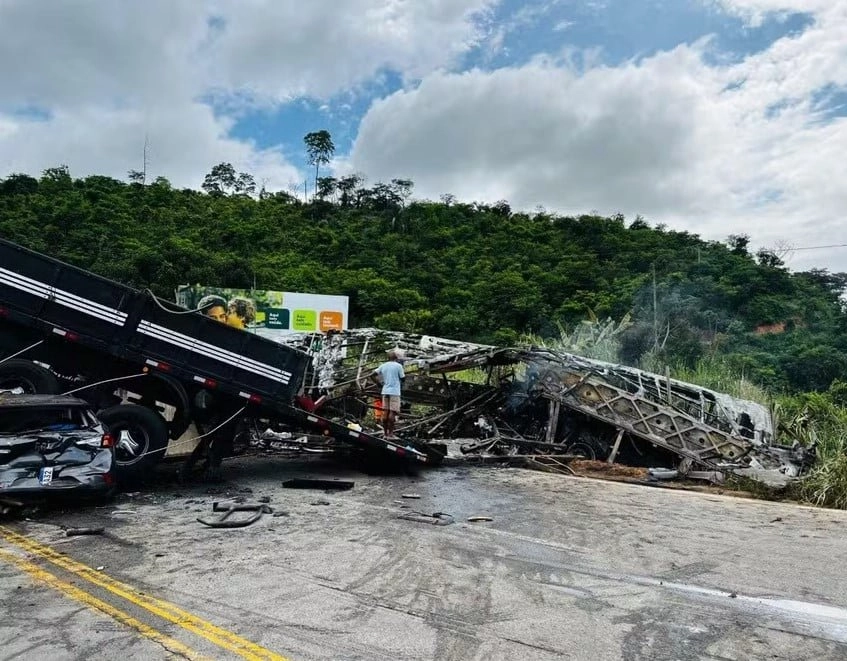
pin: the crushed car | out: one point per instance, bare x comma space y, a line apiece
53, 444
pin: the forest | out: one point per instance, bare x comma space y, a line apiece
469, 271
710, 311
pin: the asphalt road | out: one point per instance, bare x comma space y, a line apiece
568, 568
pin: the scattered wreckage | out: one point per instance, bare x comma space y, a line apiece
157, 373
165, 381
540, 401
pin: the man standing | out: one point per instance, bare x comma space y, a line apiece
391, 374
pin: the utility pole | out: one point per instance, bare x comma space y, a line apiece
655, 312
144, 162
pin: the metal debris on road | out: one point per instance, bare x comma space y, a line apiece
436, 518
230, 508
72, 532
326, 485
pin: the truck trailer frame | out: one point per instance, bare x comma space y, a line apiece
65, 329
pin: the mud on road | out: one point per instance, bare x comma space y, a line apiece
567, 568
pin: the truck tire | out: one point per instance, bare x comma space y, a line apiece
587, 448
140, 435
31, 378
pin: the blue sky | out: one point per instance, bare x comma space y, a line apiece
710, 116
340, 115
625, 29
593, 33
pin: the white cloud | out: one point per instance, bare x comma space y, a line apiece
107, 73
276, 50
610, 139
700, 147
114, 54
184, 141
755, 11
713, 149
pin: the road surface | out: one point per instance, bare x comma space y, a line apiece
567, 568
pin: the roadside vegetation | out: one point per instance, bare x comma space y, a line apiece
819, 418
810, 418
713, 312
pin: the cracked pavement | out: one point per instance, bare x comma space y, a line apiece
568, 568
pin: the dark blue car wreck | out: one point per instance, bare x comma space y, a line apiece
51, 444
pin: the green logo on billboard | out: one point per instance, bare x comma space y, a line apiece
304, 320
277, 318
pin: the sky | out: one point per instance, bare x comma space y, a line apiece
715, 117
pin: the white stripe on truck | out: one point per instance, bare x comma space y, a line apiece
211, 351
62, 297
114, 316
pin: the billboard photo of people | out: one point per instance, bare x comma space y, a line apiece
214, 307
265, 312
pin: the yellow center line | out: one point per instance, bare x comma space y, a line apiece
40, 575
159, 607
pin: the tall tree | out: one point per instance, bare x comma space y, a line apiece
346, 187
738, 244
220, 179
223, 179
245, 184
320, 148
403, 188
326, 187
60, 173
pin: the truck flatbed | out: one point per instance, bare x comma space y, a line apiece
80, 322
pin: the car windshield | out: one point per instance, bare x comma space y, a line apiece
27, 419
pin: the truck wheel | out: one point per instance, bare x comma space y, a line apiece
140, 435
583, 449
26, 377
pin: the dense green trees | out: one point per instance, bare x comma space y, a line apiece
471, 271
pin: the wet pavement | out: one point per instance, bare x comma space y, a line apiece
567, 568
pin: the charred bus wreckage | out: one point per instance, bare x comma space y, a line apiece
153, 370
539, 401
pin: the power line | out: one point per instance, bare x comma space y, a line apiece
834, 245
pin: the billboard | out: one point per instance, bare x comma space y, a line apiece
271, 313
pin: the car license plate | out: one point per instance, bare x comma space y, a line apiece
45, 475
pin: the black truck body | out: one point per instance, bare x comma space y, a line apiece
88, 329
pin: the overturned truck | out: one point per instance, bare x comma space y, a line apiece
152, 370
548, 402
